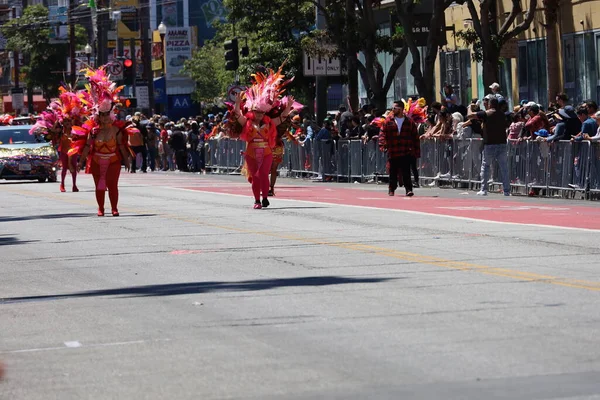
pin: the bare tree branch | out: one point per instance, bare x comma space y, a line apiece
398, 61
474, 17
526, 22
363, 72
516, 10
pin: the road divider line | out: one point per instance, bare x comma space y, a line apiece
368, 249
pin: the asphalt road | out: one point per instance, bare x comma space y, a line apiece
191, 294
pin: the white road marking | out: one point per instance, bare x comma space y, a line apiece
404, 211
79, 345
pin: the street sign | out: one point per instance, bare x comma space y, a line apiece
141, 93
510, 49
115, 69
233, 90
18, 101
321, 66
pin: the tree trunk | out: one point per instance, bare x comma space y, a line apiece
352, 72
424, 79
553, 70
351, 58
490, 67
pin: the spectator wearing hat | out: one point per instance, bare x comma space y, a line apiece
495, 88
568, 125
535, 122
494, 146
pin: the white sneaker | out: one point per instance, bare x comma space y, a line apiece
482, 193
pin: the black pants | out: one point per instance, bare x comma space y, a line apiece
181, 160
413, 167
400, 165
137, 150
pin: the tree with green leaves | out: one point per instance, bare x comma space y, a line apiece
30, 35
207, 69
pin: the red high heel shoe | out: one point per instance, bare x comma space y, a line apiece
115, 213
62, 188
75, 189
101, 213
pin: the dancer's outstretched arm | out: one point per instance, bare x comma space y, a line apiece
286, 112
241, 119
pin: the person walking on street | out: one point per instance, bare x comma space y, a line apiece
399, 137
495, 126
138, 145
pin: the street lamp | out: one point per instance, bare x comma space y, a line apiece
88, 52
162, 31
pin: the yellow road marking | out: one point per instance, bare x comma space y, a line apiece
363, 248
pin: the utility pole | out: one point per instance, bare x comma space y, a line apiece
71, 21
321, 81
134, 60
147, 52
16, 91
27, 60
102, 37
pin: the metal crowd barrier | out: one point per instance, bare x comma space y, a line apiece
547, 169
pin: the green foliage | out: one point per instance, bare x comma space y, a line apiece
207, 68
30, 35
271, 29
470, 38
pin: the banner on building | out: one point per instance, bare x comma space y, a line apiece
420, 29
127, 25
57, 18
178, 46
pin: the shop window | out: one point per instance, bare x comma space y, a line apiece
533, 81
580, 67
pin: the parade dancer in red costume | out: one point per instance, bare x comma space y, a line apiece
260, 131
62, 114
106, 146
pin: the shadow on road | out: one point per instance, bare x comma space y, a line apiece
174, 289
17, 182
44, 216
66, 215
293, 208
7, 240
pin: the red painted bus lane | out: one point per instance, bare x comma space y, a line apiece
487, 209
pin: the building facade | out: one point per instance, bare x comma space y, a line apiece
524, 77
523, 73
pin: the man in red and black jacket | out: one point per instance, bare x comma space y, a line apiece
400, 138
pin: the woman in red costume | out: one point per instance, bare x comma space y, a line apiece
65, 112
283, 131
260, 131
106, 146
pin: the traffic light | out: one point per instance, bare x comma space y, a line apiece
128, 72
232, 55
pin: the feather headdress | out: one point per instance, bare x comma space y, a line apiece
71, 105
265, 94
416, 110
103, 92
